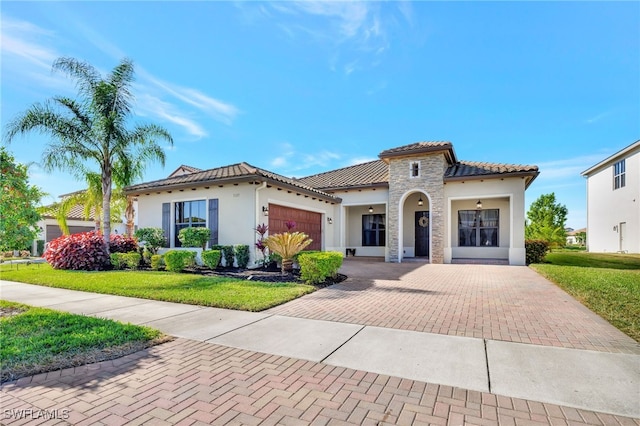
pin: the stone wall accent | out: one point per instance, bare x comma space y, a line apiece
431, 181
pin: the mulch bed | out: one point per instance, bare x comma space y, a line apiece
269, 275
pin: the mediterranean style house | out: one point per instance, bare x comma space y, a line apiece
416, 201
613, 202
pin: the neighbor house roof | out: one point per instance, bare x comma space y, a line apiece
633, 148
76, 212
240, 172
373, 173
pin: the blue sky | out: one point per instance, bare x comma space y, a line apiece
304, 87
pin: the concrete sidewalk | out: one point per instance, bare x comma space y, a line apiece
597, 381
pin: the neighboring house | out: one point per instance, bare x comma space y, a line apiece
613, 202
574, 235
416, 201
76, 221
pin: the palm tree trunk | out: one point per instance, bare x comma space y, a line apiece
287, 265
130, 213
106, 203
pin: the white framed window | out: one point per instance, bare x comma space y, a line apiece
618, 174
189, 214
478, 228
414, 170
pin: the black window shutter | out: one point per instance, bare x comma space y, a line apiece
213, 222
166, 222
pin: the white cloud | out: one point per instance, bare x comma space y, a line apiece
357, 31
303, 161
360, 160
567, 168
156, 107
219, 110
598, 117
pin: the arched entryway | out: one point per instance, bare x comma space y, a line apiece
414, 227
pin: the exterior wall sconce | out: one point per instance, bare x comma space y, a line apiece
615, 228
265, 211
329, 220
370, 209
479, 205
420, 202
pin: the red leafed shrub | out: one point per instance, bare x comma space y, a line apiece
122, 244
85, 251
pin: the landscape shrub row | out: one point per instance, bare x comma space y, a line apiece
129, 260
85, 251
234, 255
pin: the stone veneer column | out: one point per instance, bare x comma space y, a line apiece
431, 181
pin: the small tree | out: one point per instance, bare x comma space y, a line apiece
18, 205
547, 220
194, 237
151, 238
287, 245
261, 230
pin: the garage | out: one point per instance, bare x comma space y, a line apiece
308, 222
53, 231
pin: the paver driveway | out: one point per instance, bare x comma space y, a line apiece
509, 303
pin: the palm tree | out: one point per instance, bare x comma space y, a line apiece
92, 130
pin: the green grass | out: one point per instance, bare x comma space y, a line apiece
36, 340
608, 284
171, 287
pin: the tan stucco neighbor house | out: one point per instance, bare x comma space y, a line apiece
417, 201
613, 202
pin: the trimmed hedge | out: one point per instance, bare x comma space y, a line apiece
211, 258
535, 250
242, 255
130, 260
194, 237
177, 260
316, 267
157, 262
229, 255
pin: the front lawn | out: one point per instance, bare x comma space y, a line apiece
193, 289
36, 340
608, 284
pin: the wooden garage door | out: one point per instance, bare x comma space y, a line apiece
308, 222
53, 231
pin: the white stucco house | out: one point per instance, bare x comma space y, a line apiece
613, 202
417, 201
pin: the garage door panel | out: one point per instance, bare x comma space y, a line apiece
306, 221
53, 231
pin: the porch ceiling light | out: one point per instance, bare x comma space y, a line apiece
420, 202
479, 205
370, 209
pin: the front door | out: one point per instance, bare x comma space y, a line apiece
422, 233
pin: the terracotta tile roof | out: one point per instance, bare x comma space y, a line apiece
474, 168
366, 174
231, 173
420, 147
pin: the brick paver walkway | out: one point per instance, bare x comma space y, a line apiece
186, 382
506, 303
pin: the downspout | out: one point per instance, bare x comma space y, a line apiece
262, 186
